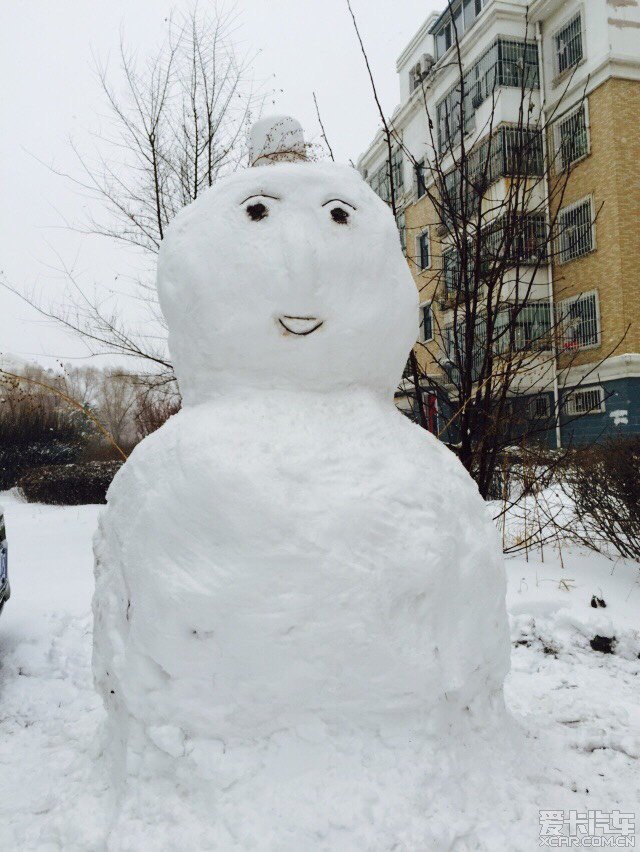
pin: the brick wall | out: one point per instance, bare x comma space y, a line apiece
611, 174
419, 216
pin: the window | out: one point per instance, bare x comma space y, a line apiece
462, 15
579, 321
538, 407
575, 230
522, 329
519, 241
420, 183
451, 271
397, 171
426, 323
572, 137
415, 77
568, 45
424, 256
525, 328
585, 401
443, 40
472, 9
379, 183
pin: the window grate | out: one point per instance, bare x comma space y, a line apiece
509, 151
451, 271
522, 329
579, 322
571, 137
568, 44
520, 151
585, 401
538, 408
575, 227
516, 329
521, 241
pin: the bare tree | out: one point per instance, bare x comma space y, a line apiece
175, 127
179, 126
499, 352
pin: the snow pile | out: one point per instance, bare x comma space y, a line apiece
299, 607
578, 708
52, 785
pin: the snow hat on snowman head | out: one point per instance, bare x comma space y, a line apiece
289, 275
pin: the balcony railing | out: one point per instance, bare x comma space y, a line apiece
508, 62
510, 151
522, 243
516, 329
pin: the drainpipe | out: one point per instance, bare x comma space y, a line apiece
552, 311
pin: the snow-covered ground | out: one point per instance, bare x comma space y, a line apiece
52, 789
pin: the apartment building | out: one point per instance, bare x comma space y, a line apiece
581, 63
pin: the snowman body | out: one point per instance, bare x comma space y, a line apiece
289, 560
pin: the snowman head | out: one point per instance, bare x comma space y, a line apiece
287, 276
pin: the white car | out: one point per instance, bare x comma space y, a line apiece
5, 590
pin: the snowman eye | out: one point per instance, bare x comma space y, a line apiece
339, 212
339, 215
257, 211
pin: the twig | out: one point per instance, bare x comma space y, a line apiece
324, 135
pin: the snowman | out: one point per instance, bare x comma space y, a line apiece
299, 596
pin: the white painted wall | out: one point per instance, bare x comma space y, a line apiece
611, 34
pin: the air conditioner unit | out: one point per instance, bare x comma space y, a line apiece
427, 61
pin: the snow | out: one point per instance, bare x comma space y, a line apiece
582, 705
299, 597
276, 138
291, 614
226, 282
300, 634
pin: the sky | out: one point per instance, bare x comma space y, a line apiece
51, 97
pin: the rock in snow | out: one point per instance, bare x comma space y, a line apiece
299, 606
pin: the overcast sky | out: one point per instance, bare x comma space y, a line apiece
50, 94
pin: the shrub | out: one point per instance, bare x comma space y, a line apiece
69, 484
154, 406
36, 430
603, 482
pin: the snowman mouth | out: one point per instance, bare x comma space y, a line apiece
300, 326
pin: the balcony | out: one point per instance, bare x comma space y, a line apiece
501, 249
508, 62
516, 329
509, 152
